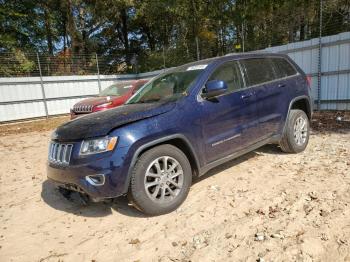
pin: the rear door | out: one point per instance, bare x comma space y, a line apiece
286, 83
229, 121
261, 76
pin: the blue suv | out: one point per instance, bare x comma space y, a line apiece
181, 124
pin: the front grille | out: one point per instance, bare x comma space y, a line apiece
82, 109
60, 153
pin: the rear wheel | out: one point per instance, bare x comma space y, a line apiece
296, 133
160, 180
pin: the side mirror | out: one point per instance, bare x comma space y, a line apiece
214, 88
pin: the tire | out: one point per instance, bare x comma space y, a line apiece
295, 137
156, 190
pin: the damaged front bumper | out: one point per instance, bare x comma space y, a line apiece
100, 178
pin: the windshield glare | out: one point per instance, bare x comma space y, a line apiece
168, 86
116, 90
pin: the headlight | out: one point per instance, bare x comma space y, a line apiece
99, 145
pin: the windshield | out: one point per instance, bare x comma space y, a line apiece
116, 89
168, 86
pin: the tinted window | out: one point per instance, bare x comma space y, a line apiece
230, 73
283, 68
258, 70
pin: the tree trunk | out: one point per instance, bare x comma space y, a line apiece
72, 29
48, 29
74, 37
302, 29
124, 20
150, 38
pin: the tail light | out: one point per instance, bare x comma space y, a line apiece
309, 81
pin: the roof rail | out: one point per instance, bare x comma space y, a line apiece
250, 52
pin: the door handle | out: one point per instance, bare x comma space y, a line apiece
281, 85
245, 96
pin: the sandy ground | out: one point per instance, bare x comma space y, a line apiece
265, 206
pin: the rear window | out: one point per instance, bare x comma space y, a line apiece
283, 68
258, 70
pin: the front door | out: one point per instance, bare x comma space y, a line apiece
229, 121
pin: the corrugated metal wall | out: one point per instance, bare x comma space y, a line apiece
23, 97
335, 68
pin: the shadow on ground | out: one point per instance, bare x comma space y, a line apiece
75, 205
225, 166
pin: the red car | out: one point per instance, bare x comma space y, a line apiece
113, 96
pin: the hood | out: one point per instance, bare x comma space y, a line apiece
101, 123
95, 101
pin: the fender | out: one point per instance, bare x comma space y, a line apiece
154, 143
295, 99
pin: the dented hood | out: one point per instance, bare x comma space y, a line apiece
101, 123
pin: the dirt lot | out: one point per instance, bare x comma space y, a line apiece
266, 204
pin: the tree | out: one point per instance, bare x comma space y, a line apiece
133, 35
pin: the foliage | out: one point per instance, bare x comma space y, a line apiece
17, 63
135, 35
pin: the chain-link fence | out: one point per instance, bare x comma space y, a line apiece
24, 64
18, 63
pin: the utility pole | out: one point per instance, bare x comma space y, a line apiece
243, 27
163, 57
243, 36
197, 47
42, 87
98, 74
319, 75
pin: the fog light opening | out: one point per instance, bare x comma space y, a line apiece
96, 180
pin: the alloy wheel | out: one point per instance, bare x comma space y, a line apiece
300, 130
164, 179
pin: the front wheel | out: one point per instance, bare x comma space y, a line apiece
297, 131
160, 180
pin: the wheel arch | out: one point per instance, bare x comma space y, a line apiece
177, 140
297, 102
302, 103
